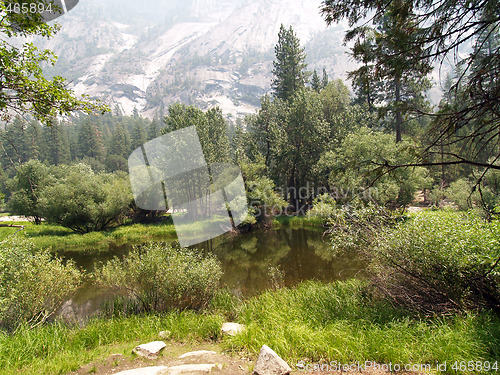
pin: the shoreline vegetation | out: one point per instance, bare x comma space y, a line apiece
347, 321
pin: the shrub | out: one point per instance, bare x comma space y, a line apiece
32, 285
26, 187
85, 201
440, 261
161, 278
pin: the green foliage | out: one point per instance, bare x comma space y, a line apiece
33, 285
345, 322
85, 201
161, 278
210, 126
289, 65
26, 188
355, 169
323, 206
440, 261
24, 88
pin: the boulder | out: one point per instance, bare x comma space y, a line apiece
232, 329
269, 363
150, 350
156, 370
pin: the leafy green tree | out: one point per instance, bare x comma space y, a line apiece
31, 178
437, 31
353, 170
210, 126
289, 65
24, 88
85, 201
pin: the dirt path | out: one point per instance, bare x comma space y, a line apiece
226, 364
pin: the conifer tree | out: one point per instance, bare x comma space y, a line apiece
289, 65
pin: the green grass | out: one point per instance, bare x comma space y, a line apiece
63, 239
314, 322
58, 349
341, 322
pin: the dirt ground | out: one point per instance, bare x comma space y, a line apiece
227, 364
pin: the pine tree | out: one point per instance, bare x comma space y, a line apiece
289, 65
316, 84
324, 81
56, 150
400, 80
138, 136
89, 141
119, 144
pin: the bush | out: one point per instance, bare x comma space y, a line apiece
161, 278
26, 187
440, 261
85, 201
32, 285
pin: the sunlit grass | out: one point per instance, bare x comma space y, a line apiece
63, 239
58, 349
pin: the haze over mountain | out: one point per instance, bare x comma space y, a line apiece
202, 52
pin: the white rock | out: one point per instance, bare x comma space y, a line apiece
156, 370
165, 334
232, 329
190, 369
198, 353
269, 363
150, 350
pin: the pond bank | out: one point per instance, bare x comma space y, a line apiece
312, 322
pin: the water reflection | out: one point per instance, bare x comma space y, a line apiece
298, 254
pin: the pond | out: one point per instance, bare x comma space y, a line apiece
252, 262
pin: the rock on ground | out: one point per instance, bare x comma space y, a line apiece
197, 353
269, 363
232, 329
150, 350
156, 370
189, 369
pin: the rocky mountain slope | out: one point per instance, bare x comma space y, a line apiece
202, 52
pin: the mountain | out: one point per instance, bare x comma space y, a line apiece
202, 52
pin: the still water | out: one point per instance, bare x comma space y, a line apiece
252, 262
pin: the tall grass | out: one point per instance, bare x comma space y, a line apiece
58, 349
59, 239
343, 322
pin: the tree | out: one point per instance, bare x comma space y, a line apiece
138, 136
438, 29
210, 126
315, 82
89, 141
26, 187
289, 65
398, 82
24, 88
324, 80
84, 201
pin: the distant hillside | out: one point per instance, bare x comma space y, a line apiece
202, 52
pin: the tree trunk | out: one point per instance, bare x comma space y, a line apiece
399, 117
